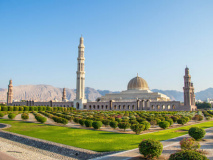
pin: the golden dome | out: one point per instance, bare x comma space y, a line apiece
137, 83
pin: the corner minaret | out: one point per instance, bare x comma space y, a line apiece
189, 96
10, 93
80, 83
64, 97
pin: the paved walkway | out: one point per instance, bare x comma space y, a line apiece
169, 146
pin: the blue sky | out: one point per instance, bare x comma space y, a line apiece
156, 39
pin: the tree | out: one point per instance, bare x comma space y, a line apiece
203, 105
113, 124
137, 128
124, 125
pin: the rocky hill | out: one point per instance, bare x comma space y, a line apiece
47, 93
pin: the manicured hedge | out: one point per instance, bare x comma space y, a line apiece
197, 133
150, 148
40, 118
164, 124
97, 124
137, 128
187, 155
25, 116
11, 115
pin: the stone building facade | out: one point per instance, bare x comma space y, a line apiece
137, 97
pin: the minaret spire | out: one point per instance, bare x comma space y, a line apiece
64, 97
10, 92
80, 84
189, 96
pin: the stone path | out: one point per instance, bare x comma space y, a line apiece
170, 146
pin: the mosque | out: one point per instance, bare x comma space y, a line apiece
137, 96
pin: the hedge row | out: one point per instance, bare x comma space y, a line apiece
39, 117
56, 118
36, 108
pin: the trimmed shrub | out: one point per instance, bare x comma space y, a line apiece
189, 144
118, 120
1, 114
187, 155
170, 121
133, 122
153, 122
208, 118
25, 116
158, 120
4, 108
181, 121
82, 122
186, 118
164, 124
60, 120
88, 123
146, 125
11, 115
76, 120
137, 128
150, 148
40, 118
123, 125
16, 108
21, 108
64, 121
31, 108
197, 133
106, 122
141, 120
26, 108
97, 124
113, 124
198, 117
174, 118
10, 108
35, 108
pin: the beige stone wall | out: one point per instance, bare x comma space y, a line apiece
146, 105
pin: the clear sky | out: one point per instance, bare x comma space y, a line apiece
154, 38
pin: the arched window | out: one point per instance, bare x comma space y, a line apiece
93, 106
98, 107
133, 107
128, 107
119, 107
124, 107
168, 107
90, 107
173, 107
115, 107
153, 107
102, 106
77, 105
158, 107
106, 106
163, 106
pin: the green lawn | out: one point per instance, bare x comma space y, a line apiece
93, 140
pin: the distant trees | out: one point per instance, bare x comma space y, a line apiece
203, 105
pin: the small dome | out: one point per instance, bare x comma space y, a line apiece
137, 83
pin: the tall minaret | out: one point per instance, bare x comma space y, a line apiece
10, 93
80, 83
64, 97
189, 97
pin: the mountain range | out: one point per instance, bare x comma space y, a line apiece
47, 93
